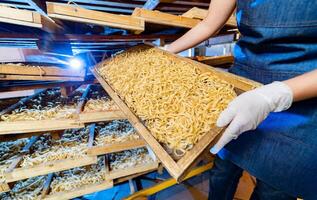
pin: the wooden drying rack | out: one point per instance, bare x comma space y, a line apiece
177, 169
113, 176
81, 117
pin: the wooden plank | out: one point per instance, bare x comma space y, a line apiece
4, 187
158, 17
40, 71
101, 116
198, 13
49, 167
8, 77
80, 191
160, 152
177, 169
27, 18
216, 60
117, 147
38, 126
114, 174
78, 14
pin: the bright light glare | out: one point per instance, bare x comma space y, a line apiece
75, 63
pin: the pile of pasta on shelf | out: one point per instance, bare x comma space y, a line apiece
49, 104
72, 145
99, 100
115, 131
29, 189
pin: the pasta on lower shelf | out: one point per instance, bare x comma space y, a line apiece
29, 189
73, 179
115, 132
49, 104
9, 151
129, 158
72, 145
177, 101
99, 100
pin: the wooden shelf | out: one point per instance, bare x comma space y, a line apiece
27, 18
41, 73
198, 13
81, 15
157, 17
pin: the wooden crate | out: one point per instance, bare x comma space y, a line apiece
18, 127
98, 116
176, 168
41, 73
82, 15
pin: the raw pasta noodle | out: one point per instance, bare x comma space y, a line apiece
73, 179
176, 100
129, 158
29, 189
72, 145
99, 100
115, 132
48, 105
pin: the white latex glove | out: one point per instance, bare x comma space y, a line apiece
249, 109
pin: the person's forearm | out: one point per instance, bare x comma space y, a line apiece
304, 86
218, 14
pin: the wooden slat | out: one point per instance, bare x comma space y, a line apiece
101, 116
40, 71
216, 60
198, 13
37, 126
78, 14
27, 18
117, 147
4, 187
8, 77
158, 17
80, 191
49, 167
114, 174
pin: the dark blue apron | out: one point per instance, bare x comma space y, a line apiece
279, 41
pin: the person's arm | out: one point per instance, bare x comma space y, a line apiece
304, 86
249, 109
218, 14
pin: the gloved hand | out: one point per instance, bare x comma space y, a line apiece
249, 109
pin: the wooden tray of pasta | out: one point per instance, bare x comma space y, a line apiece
173, 102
